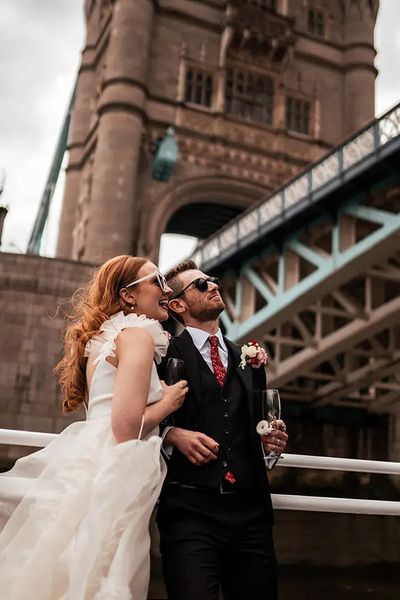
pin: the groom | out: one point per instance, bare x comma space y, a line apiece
215, 513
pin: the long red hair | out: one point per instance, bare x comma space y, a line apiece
90, 307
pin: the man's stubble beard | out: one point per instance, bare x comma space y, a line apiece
206, 313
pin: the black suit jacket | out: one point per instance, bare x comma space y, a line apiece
253, 381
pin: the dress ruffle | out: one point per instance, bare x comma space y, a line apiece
102, 346
81, 530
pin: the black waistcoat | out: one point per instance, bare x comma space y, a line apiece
224, 416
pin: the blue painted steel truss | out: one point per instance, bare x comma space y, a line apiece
381, 230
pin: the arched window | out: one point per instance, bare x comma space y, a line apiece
249, 96
198, 87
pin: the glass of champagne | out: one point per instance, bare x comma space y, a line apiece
271, 411
175, 371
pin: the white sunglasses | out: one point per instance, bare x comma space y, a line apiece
159, 280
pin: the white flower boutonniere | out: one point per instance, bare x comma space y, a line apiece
253, 355
263, 428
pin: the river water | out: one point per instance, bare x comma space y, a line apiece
378, 582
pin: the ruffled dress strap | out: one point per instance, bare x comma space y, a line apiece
102, 346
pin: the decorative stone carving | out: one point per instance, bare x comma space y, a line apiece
262, 33
361, 6
82, 214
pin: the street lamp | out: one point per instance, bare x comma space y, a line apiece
165, 157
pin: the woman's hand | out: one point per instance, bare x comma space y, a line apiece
172, 399
174, 395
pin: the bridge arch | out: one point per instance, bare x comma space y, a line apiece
196, 207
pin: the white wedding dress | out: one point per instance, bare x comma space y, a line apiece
81, 530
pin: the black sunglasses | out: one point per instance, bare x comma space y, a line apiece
201, 284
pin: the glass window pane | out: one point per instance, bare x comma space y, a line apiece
306, 118
208, 91
198, 87
188, 87
263, 4
316, 22
249, 96
297, 115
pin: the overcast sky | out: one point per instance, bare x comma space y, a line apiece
40, 45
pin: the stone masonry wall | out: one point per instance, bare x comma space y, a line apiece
31, 289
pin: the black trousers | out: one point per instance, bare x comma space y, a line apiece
209, 540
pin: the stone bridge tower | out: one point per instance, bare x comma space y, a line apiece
255, 90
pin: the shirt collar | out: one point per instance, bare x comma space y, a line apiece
200, 337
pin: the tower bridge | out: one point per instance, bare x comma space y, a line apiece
255, 93
313, 271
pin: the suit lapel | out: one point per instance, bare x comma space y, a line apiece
246, 377
245, 374
190, 355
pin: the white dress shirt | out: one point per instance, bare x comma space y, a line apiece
200, 340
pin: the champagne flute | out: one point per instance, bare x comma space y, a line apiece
271, 405
271, 411
175, 371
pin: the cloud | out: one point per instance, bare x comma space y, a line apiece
40, 53
387, 41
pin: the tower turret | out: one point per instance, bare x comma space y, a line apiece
359, 18
254, 90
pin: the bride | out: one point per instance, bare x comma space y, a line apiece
80, 532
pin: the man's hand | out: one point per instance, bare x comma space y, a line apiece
276, 440
198, 447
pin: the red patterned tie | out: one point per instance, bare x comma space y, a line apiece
218, 367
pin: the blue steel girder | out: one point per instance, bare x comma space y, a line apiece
329, 270
313, 272
327, 306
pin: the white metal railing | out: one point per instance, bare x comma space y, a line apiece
17, 437
14, 487
336, 505
330, 463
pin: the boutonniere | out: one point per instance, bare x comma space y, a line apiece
253, 355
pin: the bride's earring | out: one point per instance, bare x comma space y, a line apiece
132, 307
